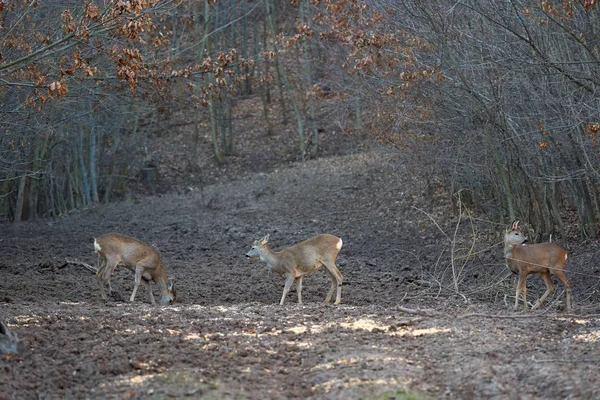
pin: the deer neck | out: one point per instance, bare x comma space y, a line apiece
270, 258
508, 250
162, 282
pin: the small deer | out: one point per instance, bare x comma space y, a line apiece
301, 259
120, 250
542, 258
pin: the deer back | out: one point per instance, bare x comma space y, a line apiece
129, 251
539, 257
309, 253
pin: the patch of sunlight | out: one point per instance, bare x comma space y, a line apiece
354, 382
207, 336
136, 380
336, 363
26, 320
354, 360
592, 337
364, 324
430, 331
304, 345
129, 330
70, 303
192, 336
195, 307
298, 329
274, 332
577, 321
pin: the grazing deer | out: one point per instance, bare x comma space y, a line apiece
542, 258
301, 259
120, 250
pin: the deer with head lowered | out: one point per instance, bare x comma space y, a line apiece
543, 258
305, 257
120, 250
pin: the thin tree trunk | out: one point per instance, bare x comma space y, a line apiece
270, 10
290, 92
214, 131
20, 198
263, 84
84, 175
92, 157
311, 99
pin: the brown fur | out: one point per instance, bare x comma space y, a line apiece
120, 250
526, 259
304, 258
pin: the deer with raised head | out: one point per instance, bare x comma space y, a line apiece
304, 258
543, 258
121, 250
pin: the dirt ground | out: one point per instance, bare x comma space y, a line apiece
226, 337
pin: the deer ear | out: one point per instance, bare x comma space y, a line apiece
264, 240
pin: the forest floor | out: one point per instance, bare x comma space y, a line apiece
401, 332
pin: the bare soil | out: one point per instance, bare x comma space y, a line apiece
227, 337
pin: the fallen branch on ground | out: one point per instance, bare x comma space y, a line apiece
560, 361
500, 316
426, 312
75, 262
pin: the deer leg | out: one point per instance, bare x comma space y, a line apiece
523, 280
103, 274
299, 288
336, 281
289, 279
561, 277
520, 286
517, 294
549, 288
331, 289
139, 271
150, 294
101, 280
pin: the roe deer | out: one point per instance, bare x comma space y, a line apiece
542, 258
301, 259
120, 250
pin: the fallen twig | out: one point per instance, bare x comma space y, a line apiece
425, 312
409, 322
558, 360
530, 315
500, 316
75, 262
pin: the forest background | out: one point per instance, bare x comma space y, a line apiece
495, 99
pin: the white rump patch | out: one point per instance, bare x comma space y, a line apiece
97, 247
339, 244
